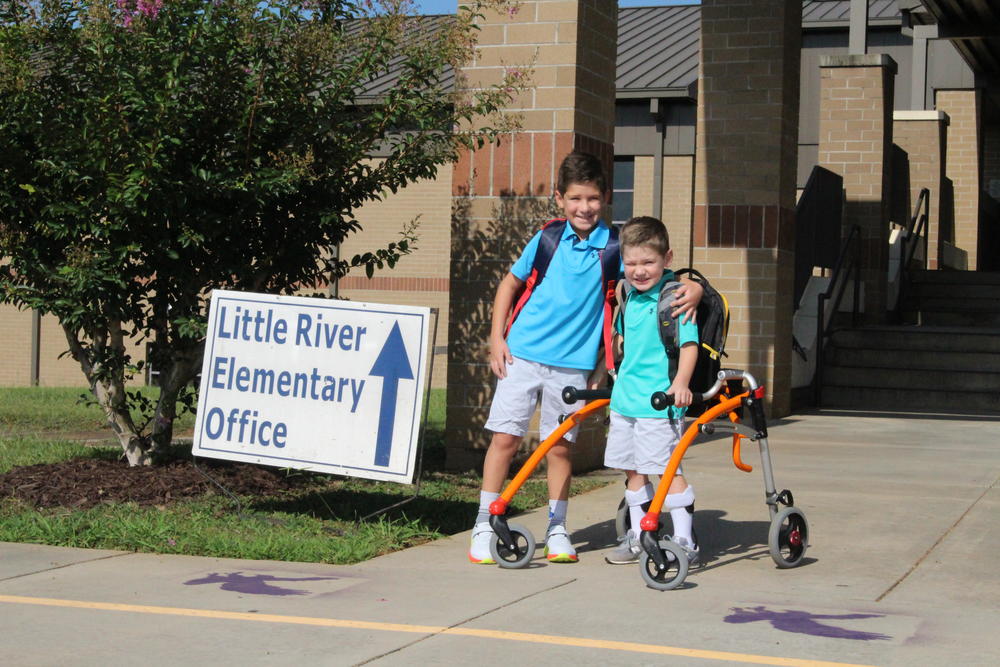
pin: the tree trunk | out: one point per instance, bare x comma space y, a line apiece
109, 390
182, 369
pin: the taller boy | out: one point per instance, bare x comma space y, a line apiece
554, 342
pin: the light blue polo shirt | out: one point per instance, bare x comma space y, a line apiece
645, 366
561, 324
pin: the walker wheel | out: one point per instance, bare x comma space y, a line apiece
670, 578
788, 537
518, 555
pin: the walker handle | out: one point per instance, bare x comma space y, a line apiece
572, 394
661, 400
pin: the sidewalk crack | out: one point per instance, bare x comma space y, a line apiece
936, 543
60, 567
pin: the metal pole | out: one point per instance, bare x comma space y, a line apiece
36, 348
858, 40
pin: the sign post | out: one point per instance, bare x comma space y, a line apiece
323, 385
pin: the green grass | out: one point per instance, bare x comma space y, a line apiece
27, 410
310, 527
317, 523
26, 451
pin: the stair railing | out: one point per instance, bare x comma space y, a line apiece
916, 235
847, 271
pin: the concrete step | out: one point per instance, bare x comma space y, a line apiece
952, 292
912, 379
919, 338
955, 277
888, 358
868, 398
937, 318
956, 303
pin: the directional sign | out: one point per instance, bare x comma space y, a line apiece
317, 384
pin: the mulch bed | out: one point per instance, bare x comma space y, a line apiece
83, 483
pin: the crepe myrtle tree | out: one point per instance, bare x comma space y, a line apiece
154, 150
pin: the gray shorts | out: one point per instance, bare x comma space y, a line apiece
642, 444
517, 395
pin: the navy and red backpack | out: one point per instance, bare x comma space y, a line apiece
610, 258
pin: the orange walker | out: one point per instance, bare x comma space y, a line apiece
664, 565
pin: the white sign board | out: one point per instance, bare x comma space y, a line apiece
323, 385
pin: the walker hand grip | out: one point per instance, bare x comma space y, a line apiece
572, 394
661, 400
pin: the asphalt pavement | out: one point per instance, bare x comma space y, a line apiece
900, 570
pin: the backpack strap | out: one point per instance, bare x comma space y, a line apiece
669, 328
547, 244
610, 262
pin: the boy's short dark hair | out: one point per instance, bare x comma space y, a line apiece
644, 230
580, 167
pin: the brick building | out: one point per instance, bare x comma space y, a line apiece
711, 117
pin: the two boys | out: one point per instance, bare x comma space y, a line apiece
554, 342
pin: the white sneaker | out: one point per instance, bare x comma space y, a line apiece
692, 551
626, 552
558, 548
479, 550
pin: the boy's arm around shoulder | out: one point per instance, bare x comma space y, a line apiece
503, 303
686, 299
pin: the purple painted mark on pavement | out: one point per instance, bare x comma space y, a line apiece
256, 584
803, 622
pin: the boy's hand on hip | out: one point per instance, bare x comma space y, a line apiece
500, 357
687, 298
598, 378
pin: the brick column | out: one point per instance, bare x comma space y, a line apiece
855, 141
748, 103
964, 108
502, 193
923, 135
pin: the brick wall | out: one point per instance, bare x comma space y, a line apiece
675, 207
744, 187
855, 141
421, 278
922, 136
501, 194
963, 163
55, 369
15, 346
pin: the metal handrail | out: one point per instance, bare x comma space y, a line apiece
915, 233
848, 264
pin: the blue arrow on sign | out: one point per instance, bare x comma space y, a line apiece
392, 366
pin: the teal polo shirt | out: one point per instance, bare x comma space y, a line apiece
562, 322
645, 366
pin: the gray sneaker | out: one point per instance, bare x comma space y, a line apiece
626, 553
690, 550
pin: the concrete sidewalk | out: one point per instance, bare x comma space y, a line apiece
900, 571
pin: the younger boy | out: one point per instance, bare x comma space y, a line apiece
640, 438
553, 343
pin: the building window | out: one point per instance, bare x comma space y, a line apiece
623, 190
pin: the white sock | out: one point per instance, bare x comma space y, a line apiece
682, 519
557, 512
485, 499
635, 501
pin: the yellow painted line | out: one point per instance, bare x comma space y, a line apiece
578, 642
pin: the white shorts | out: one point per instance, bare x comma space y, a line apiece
642, 444
517, 396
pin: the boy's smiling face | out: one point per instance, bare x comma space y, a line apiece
644, 265
581, 203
